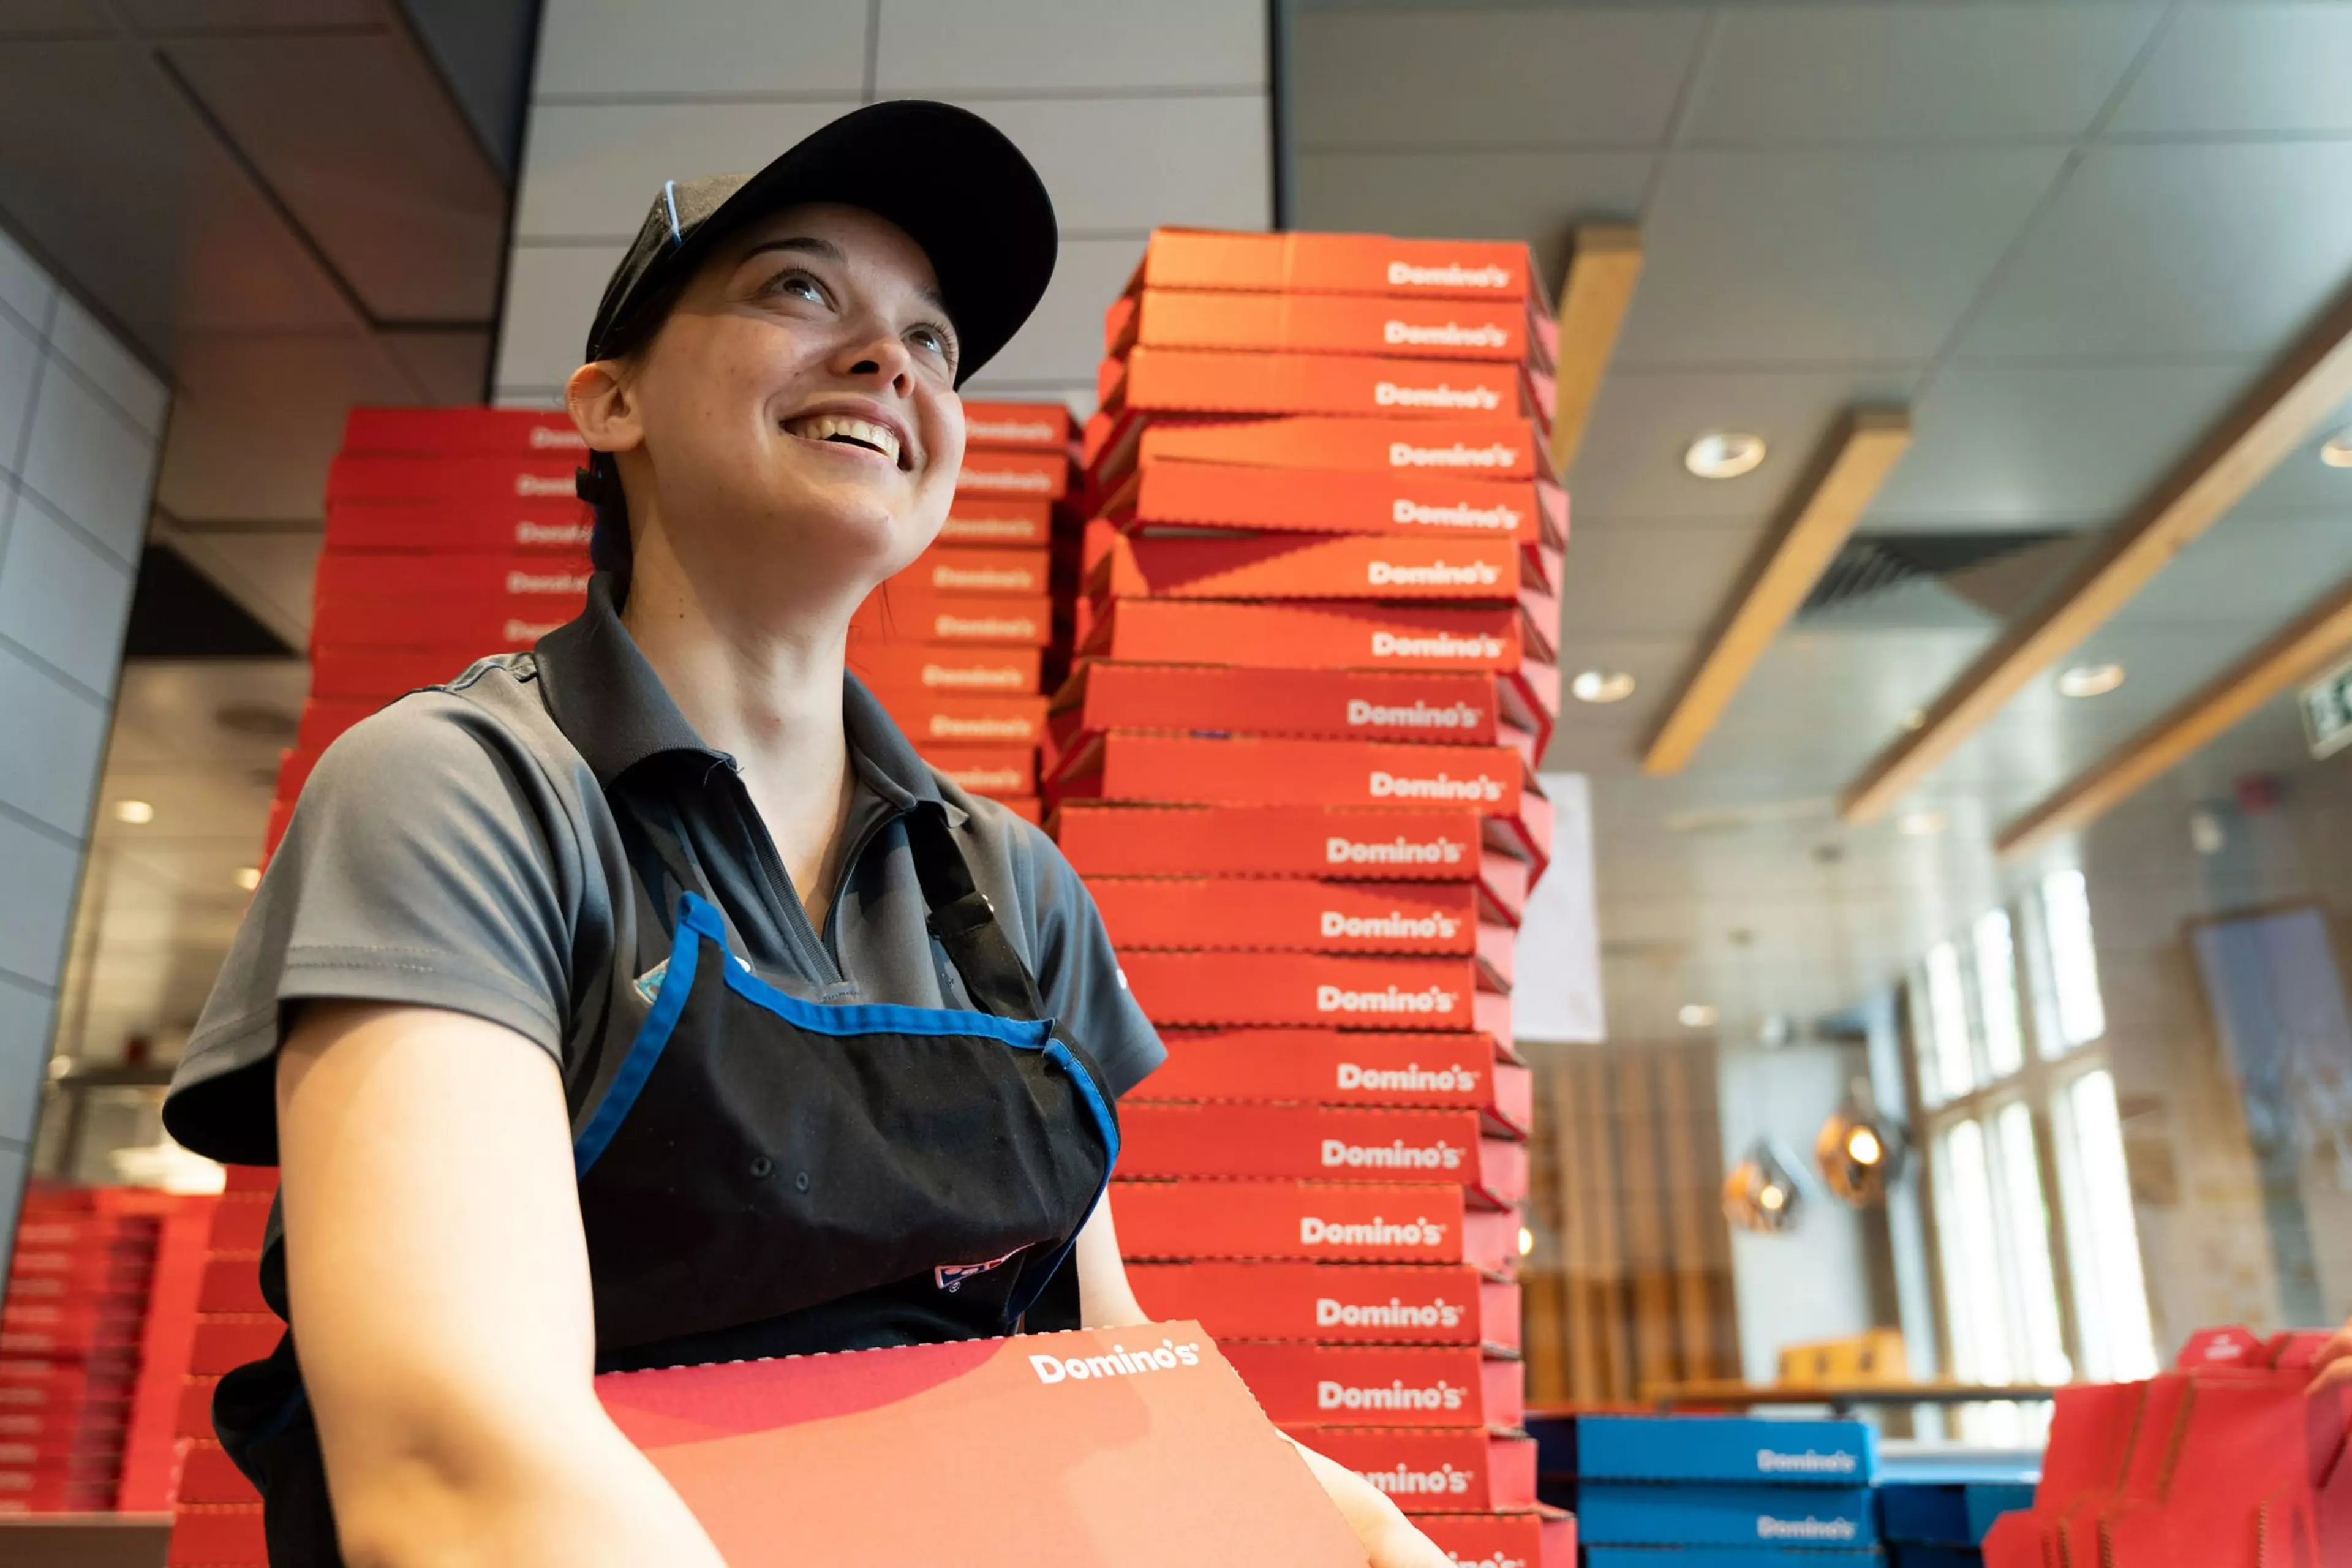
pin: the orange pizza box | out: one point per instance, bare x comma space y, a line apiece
1456, 448
1328, 501
931, 718
477, 432
1033, 476
1432, 843
1318, 567
1336, 1303
950, 671
1463, 1071
1386, 1385
1247, 914
1328, 636
1498, 328
1426, 1471
470, 528
463, 478
957, 571
1183, 989
1038, 426
996, 521
911, 613
1198, 381
1134, 1447
1464, 708
1315, 1221
1336, 264
1317, 1142
1538, 1537
1003, 773
487, 623
1192, 769
383, 673
218, 1535
209, 1475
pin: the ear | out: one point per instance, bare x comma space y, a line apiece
600, 398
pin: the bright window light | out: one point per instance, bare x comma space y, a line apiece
1964, 1224
2025, 1224
2102, 1235
2073, 965
1996, 958
1948, 1017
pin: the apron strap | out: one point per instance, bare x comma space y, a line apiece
964, 921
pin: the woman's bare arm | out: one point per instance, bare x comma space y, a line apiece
439, 1287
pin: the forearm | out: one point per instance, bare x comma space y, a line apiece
1389, 1537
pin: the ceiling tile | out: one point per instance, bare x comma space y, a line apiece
33, 18
593, 170
2048, 446
447, 367
552, 294
1869, 72
1535, 196
710, 48
2176, 248
2251, 570
2256, 68
1062, 340
216, 16
1433, 79
942, 48
260, 418
1612, 584
2302, 482
270, 572
1631, 463
1823, 256
363, 141
1110, 166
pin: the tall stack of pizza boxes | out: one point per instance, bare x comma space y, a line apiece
1295, 762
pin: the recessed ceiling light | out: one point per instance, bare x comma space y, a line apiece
1920, 824
2337, 450
134, 812
1526, 1241
2090, 679
1915, 719
248, 877
1725, 455
1696, 1016
1601, 686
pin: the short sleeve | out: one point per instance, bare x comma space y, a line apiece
429, 862
1080, 976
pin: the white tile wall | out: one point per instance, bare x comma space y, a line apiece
1137, 113
63, 597
89, 462
25, 1018
38, 870
56, 734
24, 287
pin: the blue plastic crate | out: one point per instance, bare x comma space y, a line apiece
1738, 1448
1618, 1514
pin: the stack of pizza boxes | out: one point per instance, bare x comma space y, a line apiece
215, 1512
1295, 763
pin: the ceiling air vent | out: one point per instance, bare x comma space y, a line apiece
1872, 562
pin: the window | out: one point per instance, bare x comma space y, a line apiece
1997, 994
2078, 1014
2103, 1238
1949, 1070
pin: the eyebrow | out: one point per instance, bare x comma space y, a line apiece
810, 245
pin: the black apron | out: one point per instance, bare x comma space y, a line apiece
768, 1176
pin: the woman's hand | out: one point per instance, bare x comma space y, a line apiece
2335, 1362
1389, 1538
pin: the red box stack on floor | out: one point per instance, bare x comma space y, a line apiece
215, 1513
1295, 762
94, 1343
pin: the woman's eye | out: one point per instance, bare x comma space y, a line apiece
800, 284
931, 340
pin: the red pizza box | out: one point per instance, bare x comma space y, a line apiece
1023, 806
1438, 844
1180, 989
425, 527
249, 1179
231, 1283
209, 1475
1462, 449
1003, 772
1463, 1071
958, 571
195, 1406
65, 1427
949, 671
1316, 1143
1091, 1448
226, 1341
1315, 1221
1535, 1538
1342, 1303
488, 623
325, 719
908, 613
461, 477
1243, 915
1329, 635
1336, 264
1387, 1385
108, 1269
1042, 426
444, 432
1428, 1470
1036, 476
413, 576
1318, 567
1498, 328
46, 1383
1190, 770
987, 520
383, 673
1206, 382
239, 1221
1323, 501
218, 1535
933, 718
1443, 706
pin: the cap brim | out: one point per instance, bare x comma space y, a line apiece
957, 184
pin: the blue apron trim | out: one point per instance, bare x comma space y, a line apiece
645, 1051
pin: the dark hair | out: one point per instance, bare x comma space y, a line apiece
599, 484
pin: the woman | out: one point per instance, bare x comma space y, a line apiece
643, 1000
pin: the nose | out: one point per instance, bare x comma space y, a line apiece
873, 351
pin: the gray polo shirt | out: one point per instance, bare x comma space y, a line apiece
463, 848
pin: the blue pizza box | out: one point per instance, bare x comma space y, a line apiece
1738, 1449
1947, 1513
1910, 1554
1612, 1513
1727, 1557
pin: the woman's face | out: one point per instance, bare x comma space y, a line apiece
797, 413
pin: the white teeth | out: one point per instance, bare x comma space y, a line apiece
824, 426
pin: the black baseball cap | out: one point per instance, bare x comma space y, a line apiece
957, 184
